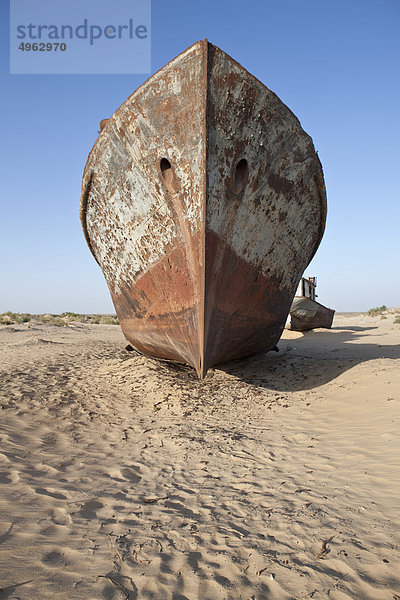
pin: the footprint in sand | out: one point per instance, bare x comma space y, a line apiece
9, 476
52, 494
54, 559
127, 474
131, 474
88, 510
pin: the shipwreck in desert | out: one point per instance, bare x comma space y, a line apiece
203, 201
305, 312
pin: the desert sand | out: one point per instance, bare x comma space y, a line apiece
277, 477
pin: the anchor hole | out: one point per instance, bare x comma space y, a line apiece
168, 175
241, 175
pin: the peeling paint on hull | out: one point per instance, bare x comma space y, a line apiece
203, 201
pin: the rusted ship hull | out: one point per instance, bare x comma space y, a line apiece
203, 201
306, 314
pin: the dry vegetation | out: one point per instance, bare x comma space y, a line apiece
69, 318
63, 320
383, 312
378, 310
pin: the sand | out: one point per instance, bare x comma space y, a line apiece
276, 477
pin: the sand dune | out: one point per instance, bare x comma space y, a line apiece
275, 478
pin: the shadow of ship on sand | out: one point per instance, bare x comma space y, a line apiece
304, 363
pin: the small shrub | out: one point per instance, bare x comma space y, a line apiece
46, 318
71, 316
378, 310
5, 319
63, 320
10, 318
397, 320
109, 320
23, 318
52, 320
80, 319
55, 320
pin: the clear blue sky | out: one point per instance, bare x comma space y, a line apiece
334, 63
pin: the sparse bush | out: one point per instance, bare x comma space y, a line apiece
109, 320
378, 310
63, 320
90, 319
24, 318
55, 320
51, 320
76, 317
397, 320
10, 318
79, 319
5, 320
46, 318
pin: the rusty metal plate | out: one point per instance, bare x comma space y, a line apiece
203, 201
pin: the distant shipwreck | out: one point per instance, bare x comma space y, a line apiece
203, 201
306, 313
